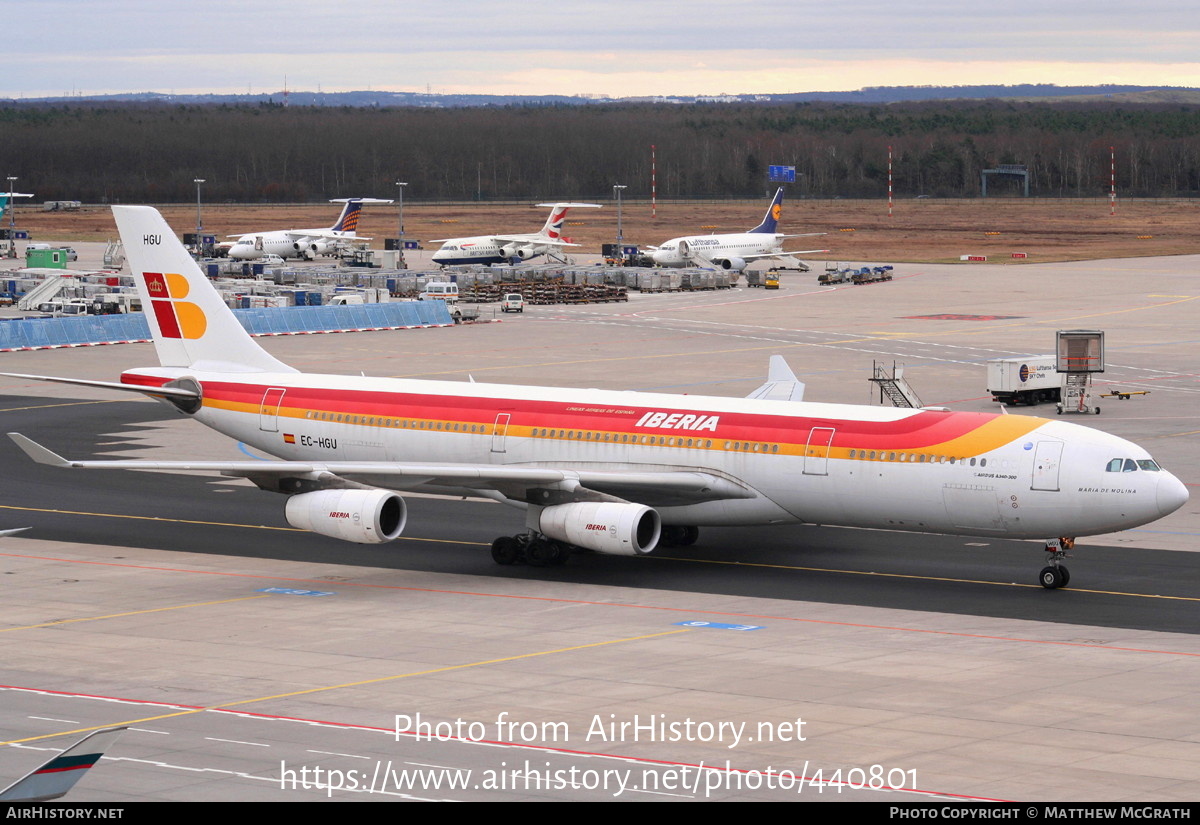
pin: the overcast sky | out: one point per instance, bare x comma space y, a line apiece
614, 47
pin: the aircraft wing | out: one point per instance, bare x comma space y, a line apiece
782, 254
536, 240
173, 392
522, 483
59, 775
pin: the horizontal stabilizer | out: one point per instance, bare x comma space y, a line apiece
59, 775
174, 392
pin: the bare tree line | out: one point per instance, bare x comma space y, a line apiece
271, 153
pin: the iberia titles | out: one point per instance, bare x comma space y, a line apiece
679, 421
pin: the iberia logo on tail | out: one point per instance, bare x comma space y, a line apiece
176, 318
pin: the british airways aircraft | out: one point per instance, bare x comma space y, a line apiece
613, 472
302, 243
734, 251
498, 249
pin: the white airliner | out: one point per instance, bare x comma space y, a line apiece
302, 243
734, 251
613, 472
498, 249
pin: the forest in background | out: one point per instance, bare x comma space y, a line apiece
272, 153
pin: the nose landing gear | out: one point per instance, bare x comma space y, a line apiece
1055, 574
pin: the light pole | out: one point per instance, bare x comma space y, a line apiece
199, 222
400, 184
12, 213
617, 189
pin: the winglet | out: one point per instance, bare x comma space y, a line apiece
782, 384
37, 452
59, 775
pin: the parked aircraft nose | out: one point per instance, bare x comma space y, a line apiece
1172, 494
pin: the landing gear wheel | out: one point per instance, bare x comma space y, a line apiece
1051, 578
545, 553
674, 535
506, 550
1066, 576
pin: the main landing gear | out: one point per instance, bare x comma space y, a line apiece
530, 548
1056, 574
537, 550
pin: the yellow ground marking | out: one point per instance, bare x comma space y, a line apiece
1030, 321
205, 523
132, 613
378, 680
69, 404
921, 578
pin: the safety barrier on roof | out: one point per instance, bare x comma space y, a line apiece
93, 330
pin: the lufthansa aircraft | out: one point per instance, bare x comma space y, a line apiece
613, 472
498, 249
733, 251
302, 243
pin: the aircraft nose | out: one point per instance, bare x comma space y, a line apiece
1171, 495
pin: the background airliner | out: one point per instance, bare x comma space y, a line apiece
302, 243
612, 472
734, 251
497, 249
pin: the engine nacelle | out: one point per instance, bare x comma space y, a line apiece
509, 252
306, 249
361, 516
607, 527
733, 264
324, 247
526, 252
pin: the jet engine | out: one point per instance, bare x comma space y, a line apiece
526, 252
307, 249
509, 252
361, 516
619, 529
733, 264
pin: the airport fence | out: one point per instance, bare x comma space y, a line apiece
94, 330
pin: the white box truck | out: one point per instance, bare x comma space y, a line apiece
1027, 380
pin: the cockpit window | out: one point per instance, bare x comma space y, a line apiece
1148, 464
1114, 466
1130, 466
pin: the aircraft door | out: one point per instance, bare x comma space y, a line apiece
816, 452
268, 411
1047, 460
500, 431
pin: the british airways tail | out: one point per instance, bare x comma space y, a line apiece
770, 221
558, 216
59, 775
190, 324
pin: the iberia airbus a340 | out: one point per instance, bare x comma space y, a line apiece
612, 472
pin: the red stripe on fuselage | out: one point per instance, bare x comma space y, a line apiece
926, 428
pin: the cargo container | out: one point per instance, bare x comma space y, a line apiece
1025, 380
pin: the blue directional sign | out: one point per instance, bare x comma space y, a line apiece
782, 174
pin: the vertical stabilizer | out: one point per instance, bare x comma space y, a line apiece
348, 221
190, 324
770, 221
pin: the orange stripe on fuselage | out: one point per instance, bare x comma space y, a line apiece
928, 431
